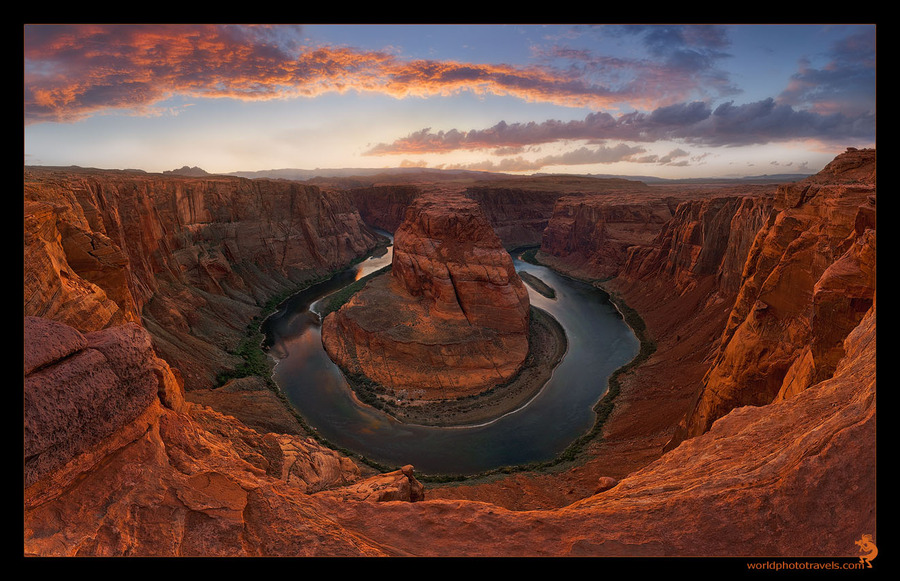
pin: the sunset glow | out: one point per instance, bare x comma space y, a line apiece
666, 101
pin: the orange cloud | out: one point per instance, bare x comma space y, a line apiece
74, 71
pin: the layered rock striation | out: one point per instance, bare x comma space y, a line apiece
192, 259
452, 317
808, 280
118, 460
588, 235
519, 216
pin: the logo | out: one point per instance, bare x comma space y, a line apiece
868, 547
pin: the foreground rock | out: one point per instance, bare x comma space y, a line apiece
451, 319
117, 463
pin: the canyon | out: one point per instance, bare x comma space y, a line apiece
745, 428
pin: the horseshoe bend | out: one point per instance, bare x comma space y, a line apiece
452, 318
745, 427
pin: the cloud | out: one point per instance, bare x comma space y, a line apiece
697, 123
580, 156
75, 71
501, 135
846, 83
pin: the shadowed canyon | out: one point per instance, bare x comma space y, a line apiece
742, 424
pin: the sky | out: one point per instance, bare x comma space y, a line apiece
670, 101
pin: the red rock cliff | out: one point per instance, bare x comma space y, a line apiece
519, 216
192, 258
808, 280
451, 319
589, 234
118, 463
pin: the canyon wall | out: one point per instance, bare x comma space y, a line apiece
808, 280
517, 215
192, 259
589, 235
452, 317
119, 460
384, 207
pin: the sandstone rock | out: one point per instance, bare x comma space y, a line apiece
605, 483
192, 258
52, 288
112, 470
451, 319
80, 389
808, 280
399, 485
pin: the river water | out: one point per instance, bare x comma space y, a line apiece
599, 343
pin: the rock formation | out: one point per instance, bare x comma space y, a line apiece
118, 463
808, 281
118, 459
450, 320
193, 259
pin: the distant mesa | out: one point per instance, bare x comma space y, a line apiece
450, 320
187, 171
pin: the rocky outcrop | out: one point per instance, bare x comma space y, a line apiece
82, 388
118, 463
193, 259
808, 280
451, 319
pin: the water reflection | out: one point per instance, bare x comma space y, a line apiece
599, 343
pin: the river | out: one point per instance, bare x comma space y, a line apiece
599, 343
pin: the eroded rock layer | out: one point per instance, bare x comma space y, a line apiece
808, 280
451, 319
119, 462
193, 259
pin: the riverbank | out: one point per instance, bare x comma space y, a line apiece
547, 344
